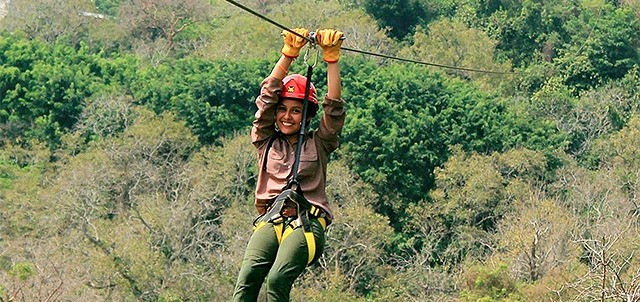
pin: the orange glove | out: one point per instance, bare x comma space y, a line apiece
330, 40
293, 43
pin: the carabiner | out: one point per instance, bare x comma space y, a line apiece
312, 44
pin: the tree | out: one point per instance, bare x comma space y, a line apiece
403, 120
605, 204
452, 43
216, 99
605, 48
526, 31
49, 20
140, 207
473, 194
484, 283
44, 87
237, 35
535, 238
399, 16
109, 7
155, 20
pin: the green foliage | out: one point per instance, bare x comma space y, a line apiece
523, 29
44, 87
214, 98
486, 284
400, 16
23, 270
109, 7
606, 47
474, 192
400, 160
119, 150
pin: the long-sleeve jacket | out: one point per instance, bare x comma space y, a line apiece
317, 146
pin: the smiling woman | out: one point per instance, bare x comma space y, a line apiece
289, 118
289, 113
289, 232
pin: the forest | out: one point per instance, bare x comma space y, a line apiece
510, 174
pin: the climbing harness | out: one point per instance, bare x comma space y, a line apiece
290, 209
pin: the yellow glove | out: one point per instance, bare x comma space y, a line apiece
293, 43
330, 40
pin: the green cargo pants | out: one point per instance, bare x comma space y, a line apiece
280, 263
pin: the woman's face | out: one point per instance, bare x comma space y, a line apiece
289, 116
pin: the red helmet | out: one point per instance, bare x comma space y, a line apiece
293, 88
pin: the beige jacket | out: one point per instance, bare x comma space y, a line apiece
317, 146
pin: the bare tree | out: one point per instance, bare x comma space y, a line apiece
151, 20
49, 19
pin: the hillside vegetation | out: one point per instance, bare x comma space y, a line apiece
127, 174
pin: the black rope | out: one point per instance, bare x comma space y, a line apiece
368, 52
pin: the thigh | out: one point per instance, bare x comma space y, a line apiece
292, 256
263, 245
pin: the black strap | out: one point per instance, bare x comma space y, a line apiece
305, 108
266, 153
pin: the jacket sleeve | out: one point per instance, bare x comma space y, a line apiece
331, 123
264, 120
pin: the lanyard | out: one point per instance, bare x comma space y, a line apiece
305, 104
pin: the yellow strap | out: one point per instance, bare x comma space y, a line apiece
257, 227
315, 211
278, 229
311, 245
323, 222
308, 236
311, 241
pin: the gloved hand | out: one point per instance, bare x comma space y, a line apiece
293, 43
330, 40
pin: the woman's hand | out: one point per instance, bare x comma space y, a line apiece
293, 43
330, 40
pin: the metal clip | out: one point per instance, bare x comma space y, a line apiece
306, 54
312, 37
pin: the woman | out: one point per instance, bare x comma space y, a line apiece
283, 243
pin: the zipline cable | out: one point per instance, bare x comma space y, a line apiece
253, 12
426, 63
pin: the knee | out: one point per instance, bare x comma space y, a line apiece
276, 278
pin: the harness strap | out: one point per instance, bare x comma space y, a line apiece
283, 232
266, 153
308, 236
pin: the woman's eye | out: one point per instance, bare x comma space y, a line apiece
296, 111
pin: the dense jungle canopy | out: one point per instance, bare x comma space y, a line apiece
127, 173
